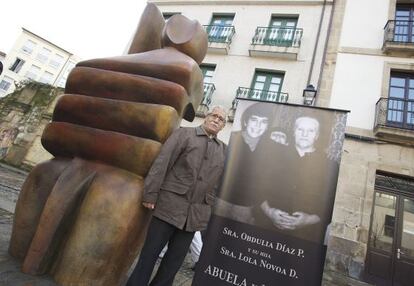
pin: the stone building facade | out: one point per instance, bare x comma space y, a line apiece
35, 58
278, 52
34, 73
369, 70
270, 50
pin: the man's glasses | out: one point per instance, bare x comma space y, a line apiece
216, 116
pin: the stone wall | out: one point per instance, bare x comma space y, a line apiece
23, 116
354, 199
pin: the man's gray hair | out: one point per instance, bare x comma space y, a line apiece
218, 107
307, 118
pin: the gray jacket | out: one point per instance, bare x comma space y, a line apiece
182, 179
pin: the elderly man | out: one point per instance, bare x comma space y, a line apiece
179, 189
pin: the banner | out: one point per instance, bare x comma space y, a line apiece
276, 197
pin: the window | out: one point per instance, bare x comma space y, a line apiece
220, 28
17, 65
56, 61
29, 46
47, 77
209, 88
168, 15
62, 80
222, 20
70, 66
43, 55
404, 16
400, 110
32, 72
266, 86
281, 31
208, 72
6, 83
389, 225
267, 81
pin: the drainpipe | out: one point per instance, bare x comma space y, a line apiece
326, 44
317, 43
61, 70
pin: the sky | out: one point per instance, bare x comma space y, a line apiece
86, 28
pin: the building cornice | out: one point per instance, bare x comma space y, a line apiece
374, 52
43, 39
361, 51
240, 2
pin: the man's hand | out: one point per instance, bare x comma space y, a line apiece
148, 205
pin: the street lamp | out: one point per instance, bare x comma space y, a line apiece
309, 94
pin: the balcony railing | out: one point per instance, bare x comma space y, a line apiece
220, 33
204, 106
399, 32
391, 112
274, 36
262, 95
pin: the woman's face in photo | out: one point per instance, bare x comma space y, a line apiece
256, 126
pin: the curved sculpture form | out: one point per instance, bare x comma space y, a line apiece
79, 215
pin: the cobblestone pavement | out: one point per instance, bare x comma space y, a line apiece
11, 180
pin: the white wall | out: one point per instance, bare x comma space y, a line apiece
357, 87
359, 75
363, 24
237, 68
234, 72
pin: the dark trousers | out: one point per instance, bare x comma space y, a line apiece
159, 233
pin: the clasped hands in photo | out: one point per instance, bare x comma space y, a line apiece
284, 220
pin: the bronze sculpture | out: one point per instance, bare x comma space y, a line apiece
78, 216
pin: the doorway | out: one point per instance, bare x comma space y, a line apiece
390, 254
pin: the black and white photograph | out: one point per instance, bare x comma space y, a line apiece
281, 172
277, 194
